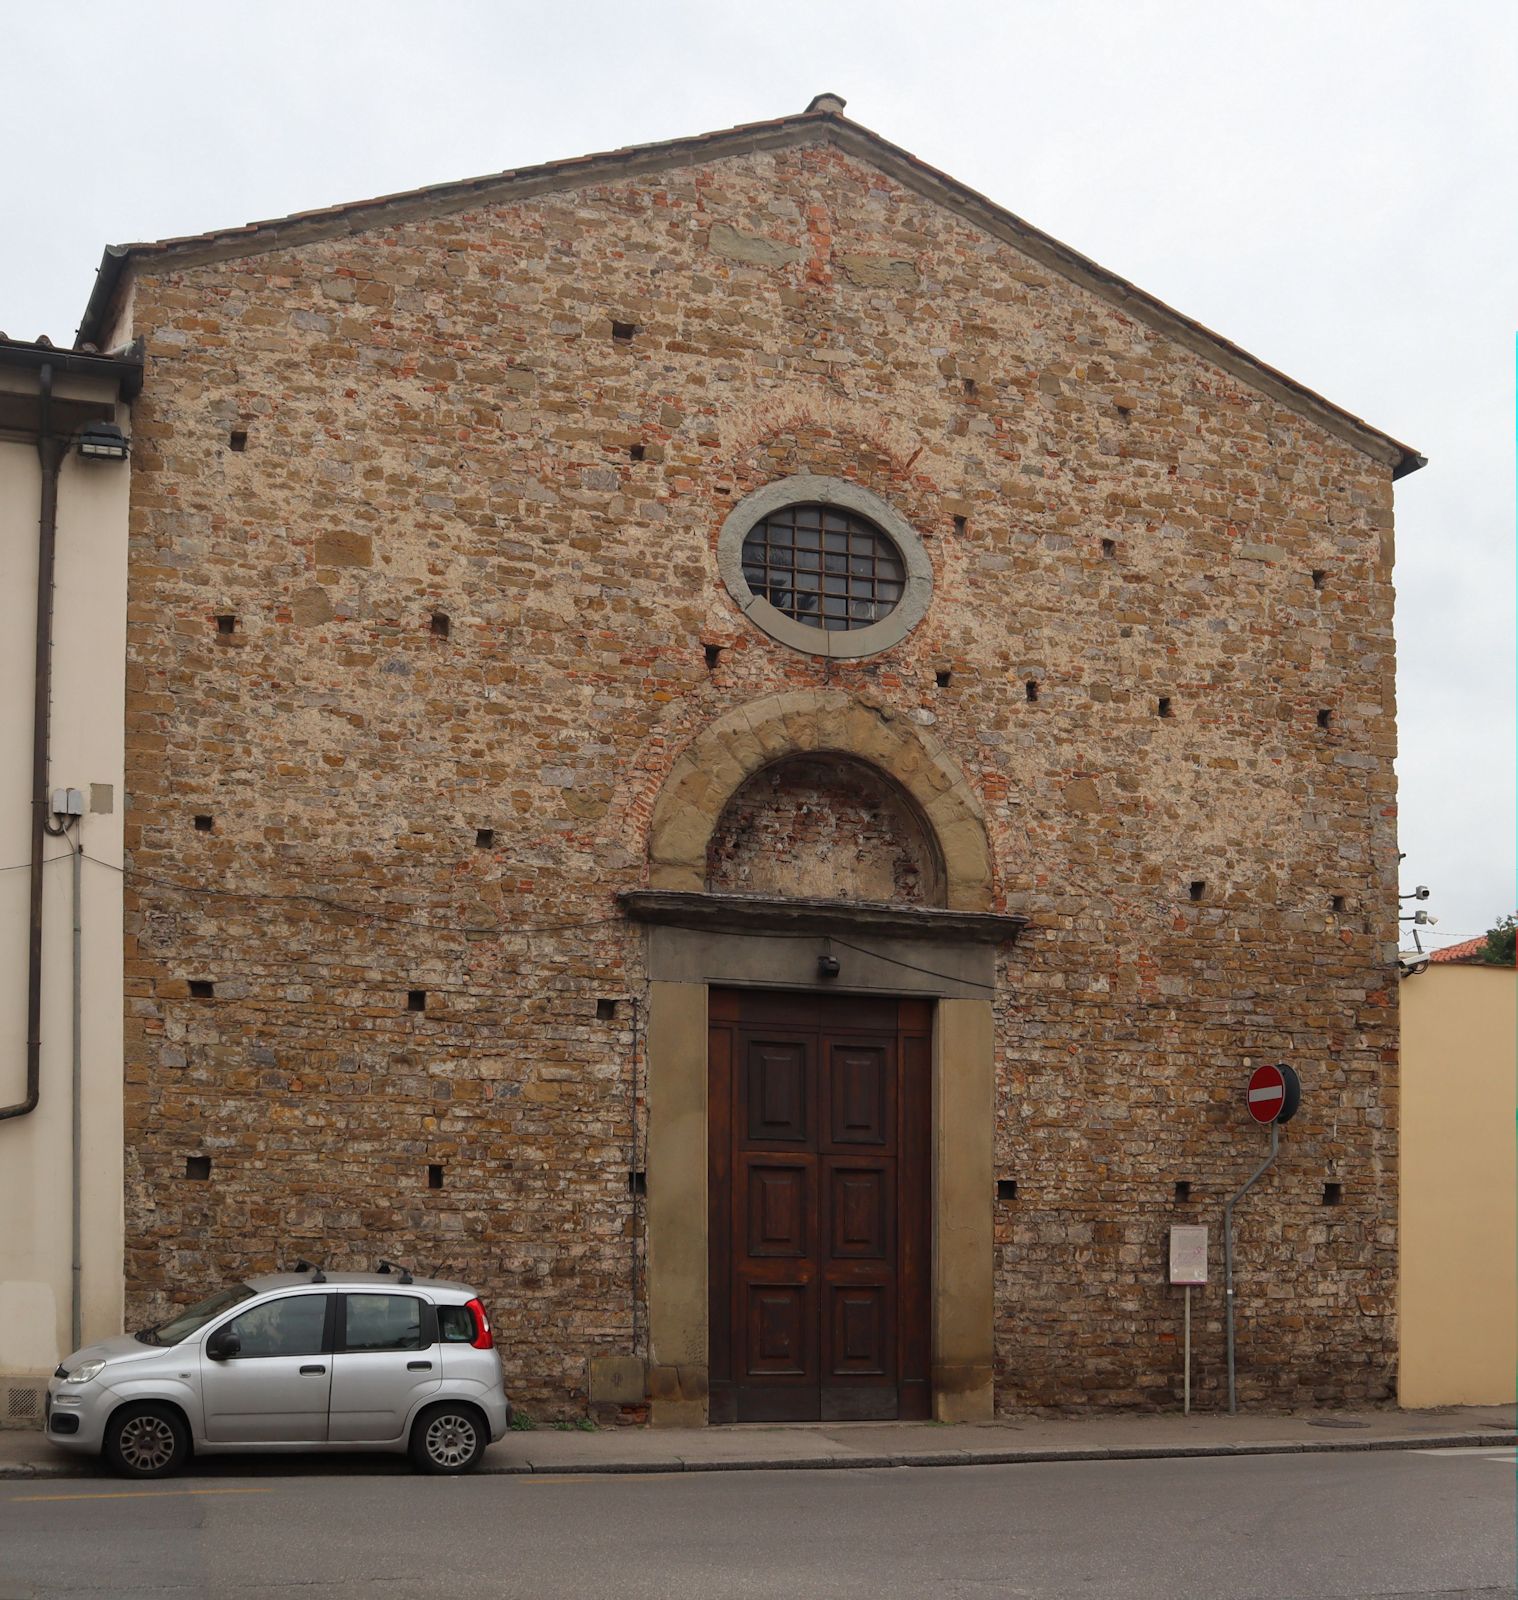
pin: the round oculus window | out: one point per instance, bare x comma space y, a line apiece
824, 567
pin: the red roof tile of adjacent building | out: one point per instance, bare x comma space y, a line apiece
1468, 950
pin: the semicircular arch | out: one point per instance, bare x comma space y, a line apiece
730, 750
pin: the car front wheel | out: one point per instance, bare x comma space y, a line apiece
147, 1441
448, 1439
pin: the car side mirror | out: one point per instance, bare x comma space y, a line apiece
223, 1344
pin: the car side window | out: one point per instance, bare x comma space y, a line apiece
455, 1325
383, 1322
289, 1327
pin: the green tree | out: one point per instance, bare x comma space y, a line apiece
1499, 950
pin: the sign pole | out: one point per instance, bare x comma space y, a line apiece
1273, 1096
1187, 1411
1259, 1172
1188, 1267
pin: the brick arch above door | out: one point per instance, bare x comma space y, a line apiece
731, 749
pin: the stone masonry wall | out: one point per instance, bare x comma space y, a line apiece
464, 640
824, 829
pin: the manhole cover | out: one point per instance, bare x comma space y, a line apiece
1335, 1422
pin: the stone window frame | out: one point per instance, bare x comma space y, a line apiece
811, 489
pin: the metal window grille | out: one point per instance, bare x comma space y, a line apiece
824, 567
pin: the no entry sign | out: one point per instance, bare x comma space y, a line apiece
1274, 1093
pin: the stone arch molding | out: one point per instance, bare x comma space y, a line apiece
738, 744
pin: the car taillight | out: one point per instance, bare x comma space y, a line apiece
483, 1338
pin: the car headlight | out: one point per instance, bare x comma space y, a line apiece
86, 1370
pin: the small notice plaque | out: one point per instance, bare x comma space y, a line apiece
1188, 1255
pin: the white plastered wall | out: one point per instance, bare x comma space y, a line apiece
88, 692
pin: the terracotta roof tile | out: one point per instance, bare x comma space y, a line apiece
1467, 951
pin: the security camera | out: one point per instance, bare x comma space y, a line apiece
1425, 918
1421, 892
1411, 963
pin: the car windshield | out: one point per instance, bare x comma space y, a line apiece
193, 1318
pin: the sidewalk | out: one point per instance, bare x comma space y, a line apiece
817, 1446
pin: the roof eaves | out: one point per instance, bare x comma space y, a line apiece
1202, 340
300, 227
304, 226
124, 368
1469, 952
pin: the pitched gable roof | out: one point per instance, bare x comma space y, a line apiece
822, 122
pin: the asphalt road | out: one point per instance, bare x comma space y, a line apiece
1392, 1523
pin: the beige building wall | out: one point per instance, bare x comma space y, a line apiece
1459, 1288
88, 695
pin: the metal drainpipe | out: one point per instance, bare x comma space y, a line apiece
1254, 1177
76, 1113
50, 453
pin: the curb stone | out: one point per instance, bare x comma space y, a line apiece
1492, 1438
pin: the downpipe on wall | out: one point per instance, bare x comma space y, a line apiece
50, 454
59, 829
76, 1096
1258, 1173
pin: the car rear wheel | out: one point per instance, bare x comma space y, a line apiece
147, 1441
448, 1439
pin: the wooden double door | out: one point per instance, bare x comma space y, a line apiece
819, 1190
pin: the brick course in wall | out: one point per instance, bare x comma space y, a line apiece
444, 420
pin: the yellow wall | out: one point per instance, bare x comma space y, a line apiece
1459, 1200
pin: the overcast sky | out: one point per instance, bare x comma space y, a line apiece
1328, 183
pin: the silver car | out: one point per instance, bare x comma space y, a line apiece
303, 1360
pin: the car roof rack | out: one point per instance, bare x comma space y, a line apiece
310, 1266
387, 1267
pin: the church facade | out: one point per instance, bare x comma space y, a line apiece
736, 747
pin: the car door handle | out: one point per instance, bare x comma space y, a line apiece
312, 1370
418, 1366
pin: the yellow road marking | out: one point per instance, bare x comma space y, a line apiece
135, 1494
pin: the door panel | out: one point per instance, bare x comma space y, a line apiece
386, 1361
373, 1391
276, 1389
268, 1400
778, 1326
859, 1342
814, 1240
860, 1101
861, 1210
779, 1208
777, 1075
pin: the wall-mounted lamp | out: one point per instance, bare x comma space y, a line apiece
102, 441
